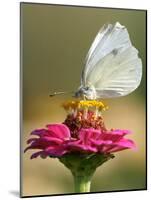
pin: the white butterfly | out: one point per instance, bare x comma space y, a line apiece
112, 67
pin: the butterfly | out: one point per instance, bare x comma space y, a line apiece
112, 66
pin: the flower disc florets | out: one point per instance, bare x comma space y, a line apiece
84, 114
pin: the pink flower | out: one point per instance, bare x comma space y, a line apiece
82, 142
56, 141
82, 131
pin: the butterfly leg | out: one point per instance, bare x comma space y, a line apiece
84, 97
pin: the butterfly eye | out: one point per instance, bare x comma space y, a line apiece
86, 88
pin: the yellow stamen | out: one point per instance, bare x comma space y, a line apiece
84, 104
70, 104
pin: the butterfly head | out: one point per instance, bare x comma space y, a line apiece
87, 92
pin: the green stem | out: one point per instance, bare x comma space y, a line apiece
82, 167
82, 184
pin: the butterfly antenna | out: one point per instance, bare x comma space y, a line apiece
58, 93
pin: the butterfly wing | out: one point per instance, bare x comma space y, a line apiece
112, 63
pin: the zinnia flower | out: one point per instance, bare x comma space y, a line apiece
83, 131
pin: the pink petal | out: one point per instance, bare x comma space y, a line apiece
110, 136
53, 139
38, 143
31, 140
56, 150
59, 130
35, 155
120, 132
122, 145
127, 143
81, 147
40, 132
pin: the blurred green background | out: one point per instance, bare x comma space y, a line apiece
55, 41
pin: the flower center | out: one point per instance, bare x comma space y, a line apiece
84, 114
